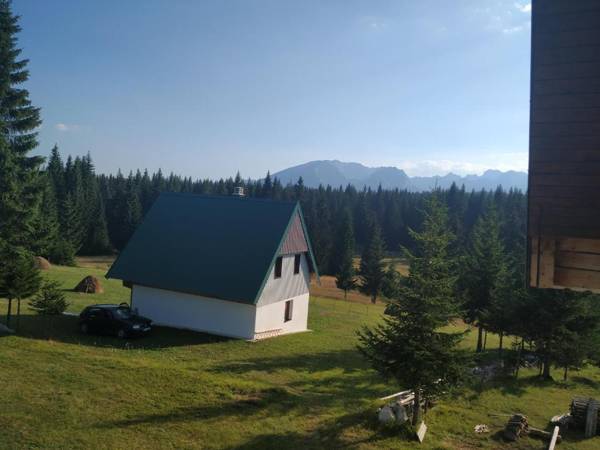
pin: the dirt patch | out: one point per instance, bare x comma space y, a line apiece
95, 262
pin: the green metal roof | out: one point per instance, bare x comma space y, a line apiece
219, 247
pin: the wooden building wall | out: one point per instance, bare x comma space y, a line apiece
564, 166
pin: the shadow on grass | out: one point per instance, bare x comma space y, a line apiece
508, 385
586, 381
276, 400
348, 361
318, 386
65, 329
333, 434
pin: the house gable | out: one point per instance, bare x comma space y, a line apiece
294, 238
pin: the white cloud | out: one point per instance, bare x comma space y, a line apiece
501, 161
526, 8
67, 127
373, 22
502, 16
512, 30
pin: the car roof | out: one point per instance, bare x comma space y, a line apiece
108, 305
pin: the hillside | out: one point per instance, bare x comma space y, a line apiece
337, 173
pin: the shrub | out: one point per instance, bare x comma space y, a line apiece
62, 253
50, 301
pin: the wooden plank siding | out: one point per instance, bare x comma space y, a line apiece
295, 241
564, 145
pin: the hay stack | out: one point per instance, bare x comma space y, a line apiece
89, 285
42, 263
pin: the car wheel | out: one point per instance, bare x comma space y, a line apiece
121, 334
84, 328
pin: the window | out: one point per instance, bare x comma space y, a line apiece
278, 264
289, 307
297, 263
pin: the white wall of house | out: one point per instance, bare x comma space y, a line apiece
193, 312
289, 285
271, 316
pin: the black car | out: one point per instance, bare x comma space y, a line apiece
117, 320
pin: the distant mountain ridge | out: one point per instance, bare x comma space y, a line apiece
337, 173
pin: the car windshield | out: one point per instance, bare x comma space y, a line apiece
123, 313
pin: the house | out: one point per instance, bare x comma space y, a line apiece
231, 266
564, 145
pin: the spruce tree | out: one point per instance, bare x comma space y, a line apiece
409, 346
50, 301
19, 173
371, 270
391, 282
97, 240
483, 267
46, 226
345, 275
19, 276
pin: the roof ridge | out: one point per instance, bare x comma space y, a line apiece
228, 197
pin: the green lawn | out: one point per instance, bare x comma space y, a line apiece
177, 389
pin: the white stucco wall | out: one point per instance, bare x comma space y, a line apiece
271, 316
289, 285
179, 310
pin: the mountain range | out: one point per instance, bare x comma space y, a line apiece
338, 173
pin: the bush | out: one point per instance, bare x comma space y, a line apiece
62, 253
50, 301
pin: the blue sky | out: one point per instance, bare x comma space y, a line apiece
206, 88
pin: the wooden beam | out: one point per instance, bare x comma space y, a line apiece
554, 438
575, 278
591, 419
547, 262
534, 256
579, 245
577, 260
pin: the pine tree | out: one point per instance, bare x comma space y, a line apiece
345, 275
56, 173
19, 276
267, 187
50, 301
371, 270
46, 227
19, 173
97, 241
392, 280
72, 226
483, 269
409, 346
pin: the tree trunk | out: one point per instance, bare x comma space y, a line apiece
500, 345
519, 352
485, 340
416, 407
479, 338
565, 373
373, 298
546, 371
18, 313
345, 294
8, 312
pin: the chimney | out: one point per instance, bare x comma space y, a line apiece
238, 191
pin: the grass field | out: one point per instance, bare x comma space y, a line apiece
177, 389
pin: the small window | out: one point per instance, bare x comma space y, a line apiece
289, 308
297, 264
278, 264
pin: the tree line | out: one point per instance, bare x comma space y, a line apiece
96, 214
